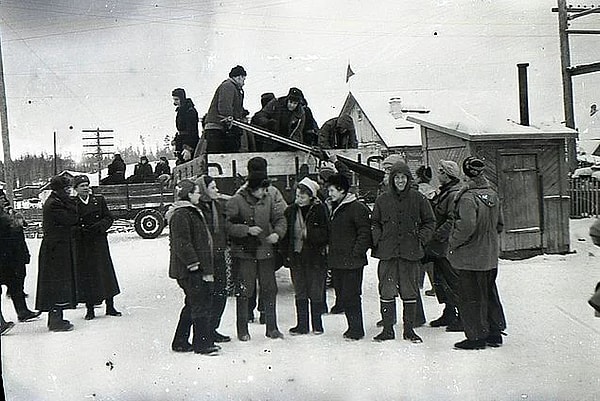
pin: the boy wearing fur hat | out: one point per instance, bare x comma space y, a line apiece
186, 123
473, 251
56, 288
255, 224
349, 240
96, 278
304, 248
283, 116
192, 265
402, 222
445, 277
227, 104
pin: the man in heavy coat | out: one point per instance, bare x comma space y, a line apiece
283, 116
445, 277
473, 251
227, 104
96, 278
56, 288
255, 225
186, 122
349, 241
402, 222
338, 133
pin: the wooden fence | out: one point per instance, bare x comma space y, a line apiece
584, 197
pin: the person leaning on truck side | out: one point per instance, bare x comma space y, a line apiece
96, 278
227, 103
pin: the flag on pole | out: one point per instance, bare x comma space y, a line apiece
349, 72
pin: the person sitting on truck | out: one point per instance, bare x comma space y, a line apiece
142, 172
116, 172
283, 116
162, 167
338, 133
186, 123
227, 104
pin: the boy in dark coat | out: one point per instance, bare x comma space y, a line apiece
349, 241
116, 172
186, 123
473, 251
255, 225
402, 222
192, 265
304, 248
96, 278
142, 172
56, 288
162, 167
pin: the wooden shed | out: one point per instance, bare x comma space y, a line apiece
526, 165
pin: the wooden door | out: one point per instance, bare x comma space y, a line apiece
519, 190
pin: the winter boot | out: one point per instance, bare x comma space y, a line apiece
56, 321
419, 312
470, 344
89, 315
182, 333
202, 341
302, 318
218, 306
408, 317
315, 316
272, 331
494, 339
356, 330
241, 307
110, 308
23, 313
448, 316
388, 313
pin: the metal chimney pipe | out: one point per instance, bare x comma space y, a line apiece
523, 93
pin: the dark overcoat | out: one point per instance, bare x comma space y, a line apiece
56, 268
96, 278
14, 254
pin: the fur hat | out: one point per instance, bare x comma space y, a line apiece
295, 94
339, 181
179, 92
326, 171
237, 71
424, 173
472, 166
392, 159
59, 182
450, 168
80, 179
257, 164
266, 98
312, 186
144, 158
184, 187
257, 179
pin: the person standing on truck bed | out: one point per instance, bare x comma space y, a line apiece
227, 104
186, 123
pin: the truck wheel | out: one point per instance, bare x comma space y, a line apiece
149, 223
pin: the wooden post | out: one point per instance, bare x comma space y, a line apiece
8, 164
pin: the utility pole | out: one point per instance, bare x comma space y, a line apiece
566, 14
98, 145
8, 164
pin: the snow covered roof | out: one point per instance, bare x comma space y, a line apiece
393, 132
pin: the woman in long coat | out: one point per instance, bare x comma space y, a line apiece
96, 278
56, 275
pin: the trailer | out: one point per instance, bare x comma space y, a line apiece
144, 203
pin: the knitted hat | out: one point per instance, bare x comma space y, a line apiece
326, 171
450, 168
472, 166
295, 94
339, 181
237, 71
80, 179
257, 164
59, 182
179, 92
257, 179
312, 186
424, 173
183, 189
392, 159
266, 98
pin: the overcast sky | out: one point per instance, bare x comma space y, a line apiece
112, 64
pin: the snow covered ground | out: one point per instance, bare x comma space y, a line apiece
550, 353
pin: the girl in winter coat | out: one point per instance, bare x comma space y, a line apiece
304, 247
191, 264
